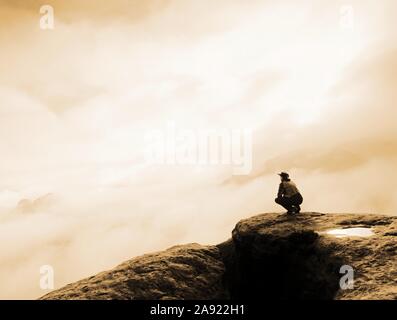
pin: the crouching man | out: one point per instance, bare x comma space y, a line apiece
288, 195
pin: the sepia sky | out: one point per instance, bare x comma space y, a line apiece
76, 102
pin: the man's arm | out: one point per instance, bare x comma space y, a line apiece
280, 192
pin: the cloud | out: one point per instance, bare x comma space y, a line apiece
76, 103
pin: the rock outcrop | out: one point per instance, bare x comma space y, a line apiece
270, 256
182, 272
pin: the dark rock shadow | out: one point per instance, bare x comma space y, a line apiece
273, 266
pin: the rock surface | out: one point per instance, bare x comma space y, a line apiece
270, 256
181, 272
302, 261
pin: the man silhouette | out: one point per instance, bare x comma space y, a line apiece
288, 194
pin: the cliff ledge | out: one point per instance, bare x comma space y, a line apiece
270, 256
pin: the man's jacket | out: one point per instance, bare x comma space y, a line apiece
287, 189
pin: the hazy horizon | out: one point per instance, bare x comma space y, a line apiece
315, 84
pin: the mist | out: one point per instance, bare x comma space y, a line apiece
78, 100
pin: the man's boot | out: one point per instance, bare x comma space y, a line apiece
291, 210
